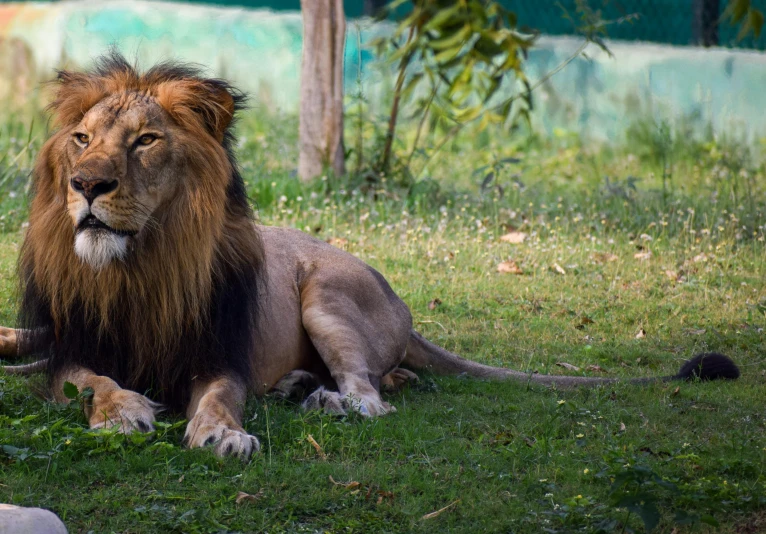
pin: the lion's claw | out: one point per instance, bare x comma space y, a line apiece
128, 410
332, 402
204, 430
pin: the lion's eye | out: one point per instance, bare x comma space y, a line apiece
146, 140
82, 139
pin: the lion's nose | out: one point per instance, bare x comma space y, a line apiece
90, 188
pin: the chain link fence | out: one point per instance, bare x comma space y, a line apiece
677, 22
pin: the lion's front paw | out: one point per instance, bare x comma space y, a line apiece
227, 440
8, 342
128, 410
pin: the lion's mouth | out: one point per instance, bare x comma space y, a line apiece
91, 222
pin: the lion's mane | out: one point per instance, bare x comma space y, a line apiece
182, 305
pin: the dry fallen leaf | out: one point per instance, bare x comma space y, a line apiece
338, 242
699, 258
558, 269
316, 446
643, 255
348, 485
242, 496
596, 368
514, 238
569, 366
440, 511
381, 495
673, 275
433, 304
605, 257
641, 334
509, 267
676, 391
622, 427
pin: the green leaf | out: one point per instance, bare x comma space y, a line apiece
441, 18
447, 55
70, 390
468, 114
755, 19
709, 520
738, 10
488, 47
454, 39
411, 84
649, 514
642, 504
10, 450
685, 518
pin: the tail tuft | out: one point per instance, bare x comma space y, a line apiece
708, 366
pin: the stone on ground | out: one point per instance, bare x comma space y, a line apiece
19, 520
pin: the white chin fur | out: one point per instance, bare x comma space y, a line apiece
98, 247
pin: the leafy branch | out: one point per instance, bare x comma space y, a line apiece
748, 17
452, 59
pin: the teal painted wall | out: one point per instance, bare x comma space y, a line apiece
260, 51
660, 21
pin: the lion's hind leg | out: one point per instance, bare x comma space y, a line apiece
333, 402
359, 327
305, 386
296, 384
327, 401
397, 379
354, 365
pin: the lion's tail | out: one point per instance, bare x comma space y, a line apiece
28, 369
422, 354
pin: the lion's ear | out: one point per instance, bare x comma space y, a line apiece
76, 93
211, 103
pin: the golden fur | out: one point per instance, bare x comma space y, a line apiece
168, 289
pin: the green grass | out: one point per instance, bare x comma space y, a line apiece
507, 457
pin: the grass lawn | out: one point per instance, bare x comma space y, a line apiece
618, 275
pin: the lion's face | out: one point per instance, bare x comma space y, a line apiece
121, 155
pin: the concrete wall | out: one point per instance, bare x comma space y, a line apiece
260, 52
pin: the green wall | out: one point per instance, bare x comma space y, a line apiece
660, 21
597, 96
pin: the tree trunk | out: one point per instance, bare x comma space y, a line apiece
705, 22
321, 111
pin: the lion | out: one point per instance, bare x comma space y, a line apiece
144, 276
